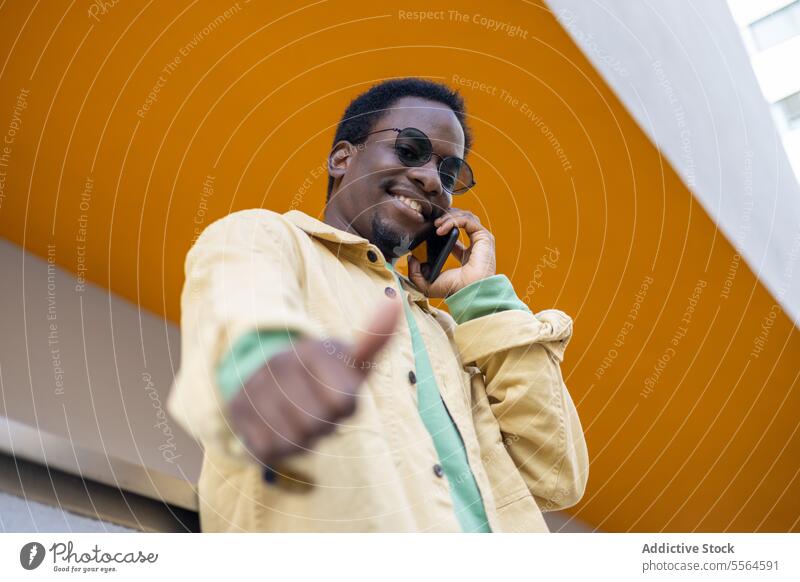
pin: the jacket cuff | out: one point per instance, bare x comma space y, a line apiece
483, 337
484, 297
247, 356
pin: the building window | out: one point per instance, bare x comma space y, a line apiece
777, 27
789, 109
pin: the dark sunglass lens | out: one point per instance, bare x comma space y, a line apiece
413, 147
456, 175
448, 180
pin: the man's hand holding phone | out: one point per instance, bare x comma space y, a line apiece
477, 260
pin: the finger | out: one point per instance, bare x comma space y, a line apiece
303, 409
329, 380
469, 224
379, 331
270, 416
460, 219
339, 389
416, 275
450, 212
264, 434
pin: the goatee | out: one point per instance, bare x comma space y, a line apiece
393, 244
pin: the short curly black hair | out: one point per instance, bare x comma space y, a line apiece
366, 109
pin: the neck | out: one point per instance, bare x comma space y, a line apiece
335, 219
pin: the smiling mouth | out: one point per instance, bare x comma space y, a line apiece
408, 205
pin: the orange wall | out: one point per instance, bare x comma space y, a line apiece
712, 446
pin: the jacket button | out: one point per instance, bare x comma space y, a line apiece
437, 470
390, 292
412, 377
270, 476
372, 256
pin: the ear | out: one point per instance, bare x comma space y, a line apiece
339, 159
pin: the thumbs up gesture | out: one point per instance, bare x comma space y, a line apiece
301, 393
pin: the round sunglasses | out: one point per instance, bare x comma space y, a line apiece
414, 149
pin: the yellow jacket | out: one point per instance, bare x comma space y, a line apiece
499, 377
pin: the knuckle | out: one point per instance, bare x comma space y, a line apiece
325, 428
335, 408
235, 409
240, 409
346, 405
281, 451
262, 448
329, 347
306, 428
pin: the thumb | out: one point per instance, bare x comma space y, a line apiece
416, 275
379, 331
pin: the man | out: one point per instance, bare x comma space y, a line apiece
330, 395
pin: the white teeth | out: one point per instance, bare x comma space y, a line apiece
412, 203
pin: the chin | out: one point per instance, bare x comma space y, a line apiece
393, 239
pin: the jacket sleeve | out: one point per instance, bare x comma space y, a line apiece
519, 354
243, 273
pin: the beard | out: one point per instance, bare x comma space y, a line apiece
392, 243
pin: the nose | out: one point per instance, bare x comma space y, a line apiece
426, 178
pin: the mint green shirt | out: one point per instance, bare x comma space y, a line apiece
480, 298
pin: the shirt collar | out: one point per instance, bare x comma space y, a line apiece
358, 244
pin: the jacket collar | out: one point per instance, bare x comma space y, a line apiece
322, 230
358, 244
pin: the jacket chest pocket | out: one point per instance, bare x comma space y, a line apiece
454, 379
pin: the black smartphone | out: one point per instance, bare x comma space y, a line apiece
434, 252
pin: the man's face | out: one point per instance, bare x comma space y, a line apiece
374, 181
